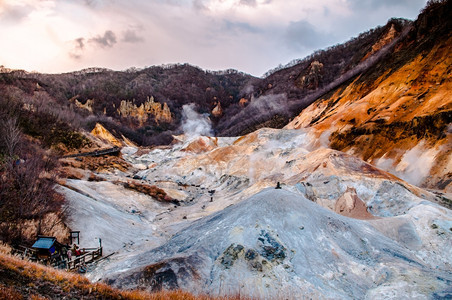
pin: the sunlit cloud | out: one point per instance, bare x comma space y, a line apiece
249, 35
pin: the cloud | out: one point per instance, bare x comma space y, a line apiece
303, 35
249, 35
199, 5
78, 45
252, 3
107, 40
130, 36
238, 27
92, 3
375, 4
14, 13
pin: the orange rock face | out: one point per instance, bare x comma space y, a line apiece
201, 144
402, 109
243, 102
102, 133
217, 111
390, 35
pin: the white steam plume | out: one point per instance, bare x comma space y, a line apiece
414, 166
195, 124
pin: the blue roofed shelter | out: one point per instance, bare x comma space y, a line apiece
46, 246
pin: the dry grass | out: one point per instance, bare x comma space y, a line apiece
4, 248
8, 293
51, 225
21, 279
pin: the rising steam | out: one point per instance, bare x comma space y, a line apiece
195, 124
414, 166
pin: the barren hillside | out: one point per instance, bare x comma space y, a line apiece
398, 114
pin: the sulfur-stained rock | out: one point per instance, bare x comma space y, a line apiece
160, 112
293, 241
201, 144
390, 117
88, 105
217, 111
102, 133
386, 39
243, 102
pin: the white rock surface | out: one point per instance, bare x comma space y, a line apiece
404, 250
280, 243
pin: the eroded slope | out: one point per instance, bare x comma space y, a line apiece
398, 115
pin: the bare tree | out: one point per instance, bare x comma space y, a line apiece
27, 193
10, 135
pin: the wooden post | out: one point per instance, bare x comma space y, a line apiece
74, 235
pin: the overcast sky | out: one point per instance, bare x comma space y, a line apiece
252, 36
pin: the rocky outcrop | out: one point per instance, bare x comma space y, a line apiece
243, 102
160, 112
217, 111
350, 205
390, 35
150, 190
201, 144
99, 131
313, 78
100, 164
87, 106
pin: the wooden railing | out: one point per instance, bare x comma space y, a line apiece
58, 261
90, 255
24, 252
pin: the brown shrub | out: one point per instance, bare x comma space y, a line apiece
151, 190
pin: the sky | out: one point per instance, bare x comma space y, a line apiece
252, 36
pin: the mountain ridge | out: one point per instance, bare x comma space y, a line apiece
179, 84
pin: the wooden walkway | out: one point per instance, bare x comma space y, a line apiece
109, 151
89, 255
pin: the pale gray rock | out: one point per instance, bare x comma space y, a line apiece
280, 243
